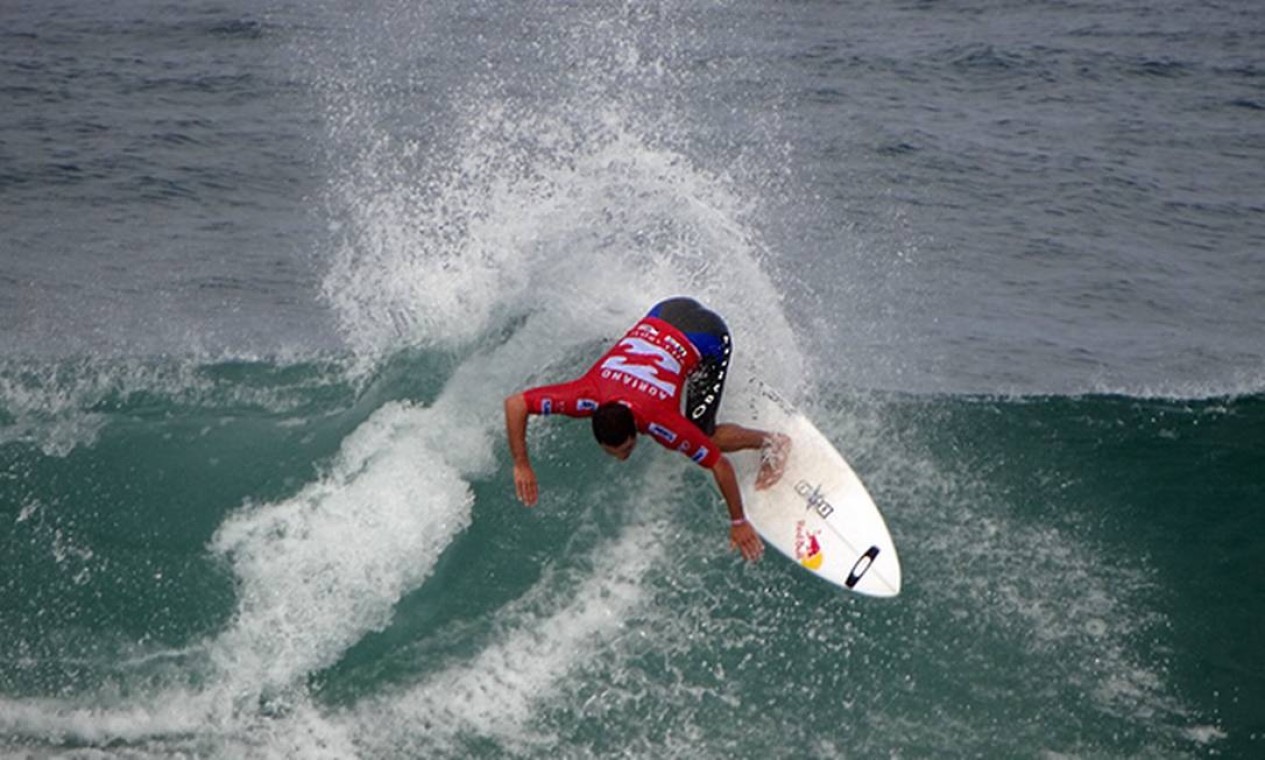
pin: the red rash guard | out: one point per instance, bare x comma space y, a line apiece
645, 371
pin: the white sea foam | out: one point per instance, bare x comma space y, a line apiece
495, 694
315, 573
319, 570
572, 212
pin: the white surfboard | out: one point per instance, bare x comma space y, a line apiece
819, 514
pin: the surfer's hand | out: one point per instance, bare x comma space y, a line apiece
773, 456
525, 484
746, 540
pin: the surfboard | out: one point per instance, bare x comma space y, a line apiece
819, 514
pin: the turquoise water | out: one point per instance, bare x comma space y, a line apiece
269, 270
268, 558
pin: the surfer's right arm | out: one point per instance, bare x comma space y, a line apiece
516, 430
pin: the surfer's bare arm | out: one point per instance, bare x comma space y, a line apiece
774, 448
516, 431
741, 534
730, 437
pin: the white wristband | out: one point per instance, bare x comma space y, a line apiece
739, 521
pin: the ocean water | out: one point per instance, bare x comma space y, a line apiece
267, 271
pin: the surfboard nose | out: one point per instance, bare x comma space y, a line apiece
885, 578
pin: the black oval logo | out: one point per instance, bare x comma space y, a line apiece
861, 566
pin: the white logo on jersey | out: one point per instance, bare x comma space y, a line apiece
662, 433
646, 373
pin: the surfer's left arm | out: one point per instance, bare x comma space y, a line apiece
741, 534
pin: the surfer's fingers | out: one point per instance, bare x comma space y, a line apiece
748, 545
526, 489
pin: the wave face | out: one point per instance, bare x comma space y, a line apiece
267, 278
263, 560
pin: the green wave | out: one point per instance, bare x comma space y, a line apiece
1081, 575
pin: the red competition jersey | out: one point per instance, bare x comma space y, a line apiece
645, 371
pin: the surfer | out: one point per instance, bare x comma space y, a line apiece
636, 387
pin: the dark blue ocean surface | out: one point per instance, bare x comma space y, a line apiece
267, 271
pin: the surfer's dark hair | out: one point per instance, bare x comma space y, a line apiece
613, 424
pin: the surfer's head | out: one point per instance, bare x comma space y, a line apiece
615, 429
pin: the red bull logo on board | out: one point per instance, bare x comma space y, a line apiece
807, 547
